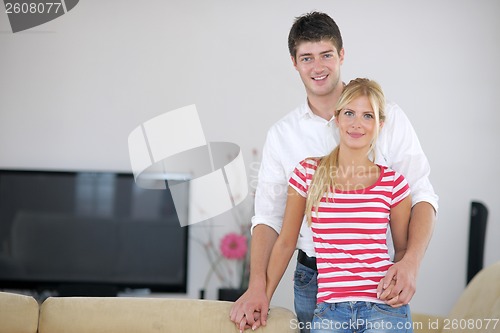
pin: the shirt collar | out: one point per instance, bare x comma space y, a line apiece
306, 113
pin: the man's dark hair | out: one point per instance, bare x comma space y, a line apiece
313, 27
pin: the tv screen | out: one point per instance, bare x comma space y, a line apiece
89, 234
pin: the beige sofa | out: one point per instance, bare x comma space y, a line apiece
477, 309
22, 314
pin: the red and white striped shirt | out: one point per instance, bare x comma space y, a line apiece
350, 234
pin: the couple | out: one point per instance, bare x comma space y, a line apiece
356, 279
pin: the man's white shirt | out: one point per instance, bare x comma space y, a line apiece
301, 134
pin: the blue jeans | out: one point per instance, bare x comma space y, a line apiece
305, 288
366, 317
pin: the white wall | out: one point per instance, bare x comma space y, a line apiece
72, 90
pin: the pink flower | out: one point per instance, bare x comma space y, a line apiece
233, 246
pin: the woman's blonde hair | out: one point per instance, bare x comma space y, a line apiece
323, 181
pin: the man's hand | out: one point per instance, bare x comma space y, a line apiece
243, 325
250, 310
403, 276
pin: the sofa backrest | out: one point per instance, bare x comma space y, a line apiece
22, 314
481, 300
18, 313
131, 315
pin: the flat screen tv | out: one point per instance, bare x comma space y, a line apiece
89, 234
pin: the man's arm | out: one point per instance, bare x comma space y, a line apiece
255, 299
405, 271
270, 201
405, 155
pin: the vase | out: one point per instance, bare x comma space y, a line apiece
230, 294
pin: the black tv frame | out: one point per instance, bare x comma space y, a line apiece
86, 287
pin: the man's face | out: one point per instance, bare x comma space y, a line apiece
318, 64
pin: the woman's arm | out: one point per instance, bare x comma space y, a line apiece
287, 240
400, 220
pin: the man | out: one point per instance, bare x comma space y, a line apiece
317, 53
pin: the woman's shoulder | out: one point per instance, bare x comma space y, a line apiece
387, 172
308, 165
310, 162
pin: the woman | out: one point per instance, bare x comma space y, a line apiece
348, 201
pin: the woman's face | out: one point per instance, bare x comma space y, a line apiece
357, 124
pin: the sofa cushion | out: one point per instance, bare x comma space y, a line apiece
480, 300
18, 313
131, 315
